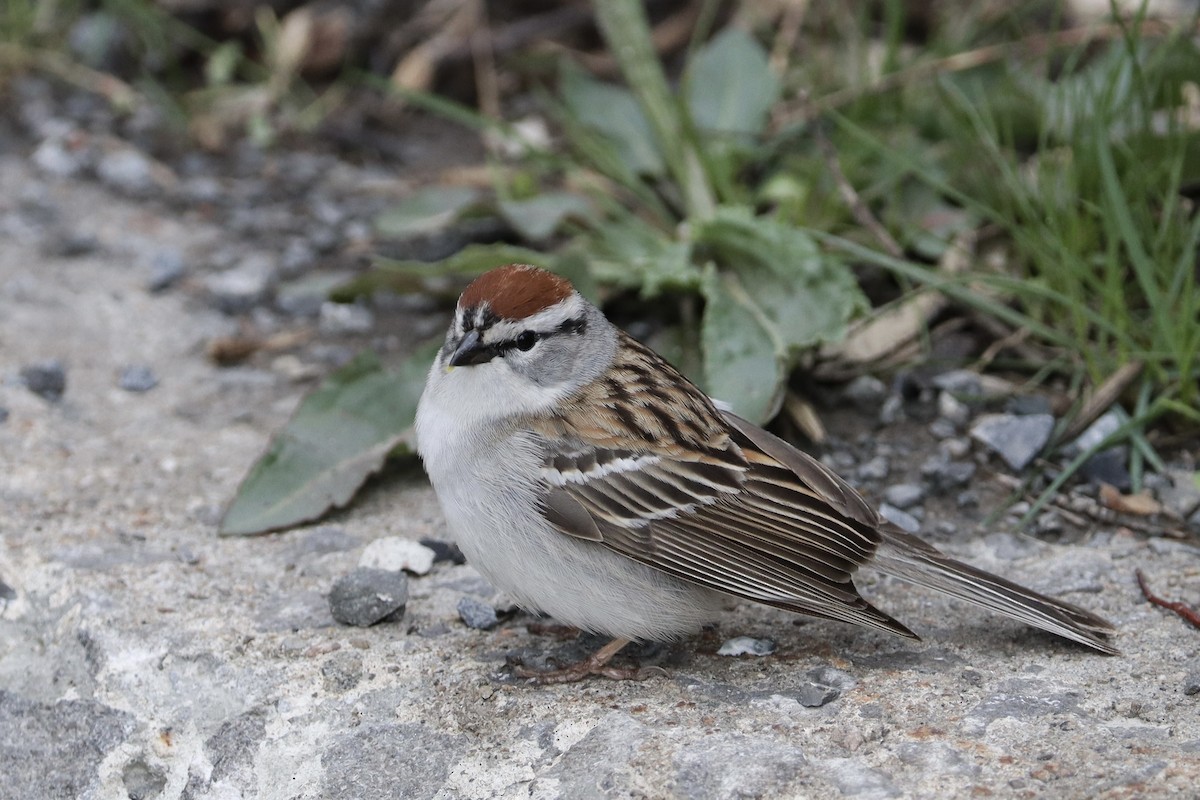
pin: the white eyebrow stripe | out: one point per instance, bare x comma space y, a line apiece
545, 321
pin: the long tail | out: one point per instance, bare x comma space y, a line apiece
910, 559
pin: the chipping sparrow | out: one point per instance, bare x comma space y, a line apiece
587, 478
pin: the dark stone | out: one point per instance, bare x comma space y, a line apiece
477, 614
3, 415
1191, 684
366, 596
47, 379
444, 551
7, 592
54, 749
1108, 466
137, 378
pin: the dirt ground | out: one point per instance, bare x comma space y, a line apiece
143, 656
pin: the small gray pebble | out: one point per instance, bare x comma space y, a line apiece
1191, 684
444, 551
477, 614
1015, 438
1049, 522
954, 448
344, 318
893, 410
904, 495
961, 382
366, 596
874, 470
966, 499
72, 244
943, 428
241, 288
866, 392
901, 519
1109, 466
3, 415
954, 474
823, 685
953, 410
47, 379
813, 696
166, 268
1106, 425
128, 171
137, 378
7, 592
746, 646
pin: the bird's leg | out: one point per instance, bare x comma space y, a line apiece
595, 664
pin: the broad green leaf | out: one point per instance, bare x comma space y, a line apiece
741, 364
613, 112
729, 85
538, 217
427, 210
805, 296
634, 255
340, 434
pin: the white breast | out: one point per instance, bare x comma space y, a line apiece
488, 477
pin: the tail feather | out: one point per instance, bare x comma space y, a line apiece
910, 559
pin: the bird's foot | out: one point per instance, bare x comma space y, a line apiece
594, 665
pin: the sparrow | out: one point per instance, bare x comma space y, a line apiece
590, 480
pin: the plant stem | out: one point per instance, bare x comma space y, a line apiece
626, 29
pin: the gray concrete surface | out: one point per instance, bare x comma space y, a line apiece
143, 656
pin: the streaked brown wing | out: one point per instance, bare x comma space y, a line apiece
736, 519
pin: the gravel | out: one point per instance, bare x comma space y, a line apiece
477, 614
46, 379
367, 596
137, 378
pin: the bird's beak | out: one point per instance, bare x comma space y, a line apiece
471, 350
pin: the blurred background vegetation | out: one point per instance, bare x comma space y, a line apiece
755, 186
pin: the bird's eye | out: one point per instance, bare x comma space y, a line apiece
526, 340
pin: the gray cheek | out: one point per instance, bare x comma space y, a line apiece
551, 363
